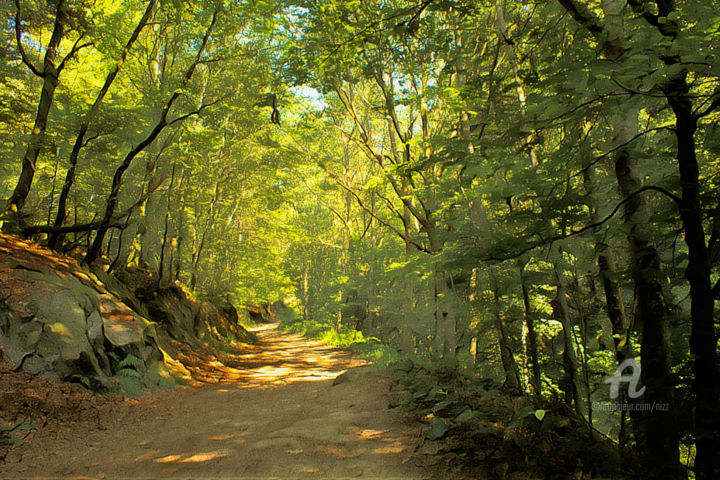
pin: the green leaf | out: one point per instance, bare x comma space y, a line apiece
438, 429
465, 417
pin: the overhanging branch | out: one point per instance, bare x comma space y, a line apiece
591, 226
18, 39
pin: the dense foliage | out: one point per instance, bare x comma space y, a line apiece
514, 190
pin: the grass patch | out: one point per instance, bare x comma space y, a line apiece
370, 348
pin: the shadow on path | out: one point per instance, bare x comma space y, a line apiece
263, 411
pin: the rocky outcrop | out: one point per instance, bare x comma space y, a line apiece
64, 322
60, 321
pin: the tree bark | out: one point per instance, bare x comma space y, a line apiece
657, 434
50, 76
201, 247
510, 367
530, 340
570, 360
703, 339
96, 248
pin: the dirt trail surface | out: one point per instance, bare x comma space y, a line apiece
277, 410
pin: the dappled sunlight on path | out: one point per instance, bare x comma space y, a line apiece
270, 410
279, 358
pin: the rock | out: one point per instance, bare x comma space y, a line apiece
60, 320
65, 328
95, 328
121, 325
404, 365
33, 364
19, 339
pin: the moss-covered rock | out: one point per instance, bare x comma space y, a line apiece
61, 320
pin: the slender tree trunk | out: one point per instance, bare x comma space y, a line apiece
607, 273
161, 267
49, 74
306, 288
570, 360
370, 315
54, 183
512, 377
530, 340
201, 246
95, 249
659, 435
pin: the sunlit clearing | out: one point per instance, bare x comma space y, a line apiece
268, 364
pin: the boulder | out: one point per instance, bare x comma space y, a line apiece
60, 321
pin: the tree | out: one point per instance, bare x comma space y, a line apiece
49, 73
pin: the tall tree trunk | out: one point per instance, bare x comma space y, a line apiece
166, 228
95, 249
570, 360
657, 434
201, 247
50, 76
607, 271
530, 338
703, 338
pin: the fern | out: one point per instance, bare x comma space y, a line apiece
7, 432
128, 372
129, 384
131, 361
82, 379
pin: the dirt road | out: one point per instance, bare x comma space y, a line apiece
274, 413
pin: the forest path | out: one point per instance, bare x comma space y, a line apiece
275, 413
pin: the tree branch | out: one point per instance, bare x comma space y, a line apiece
583, 16
94, 225
18, 38
75, 48
714, 104
380, 220
585, 228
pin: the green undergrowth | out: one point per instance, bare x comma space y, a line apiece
472, 425
324, 332
13, 433
368, 347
